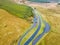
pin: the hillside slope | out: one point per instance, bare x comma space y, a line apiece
11, 28
21, 11
53, 17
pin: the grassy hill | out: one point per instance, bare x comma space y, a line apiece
12, 27
21, 11
53, 17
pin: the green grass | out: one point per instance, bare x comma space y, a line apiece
21, 11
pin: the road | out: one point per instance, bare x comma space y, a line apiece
46, 30
33, 26
35, 36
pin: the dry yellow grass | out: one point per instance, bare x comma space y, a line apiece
11, 28
52, 38
53, 17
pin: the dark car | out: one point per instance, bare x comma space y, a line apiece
58, 3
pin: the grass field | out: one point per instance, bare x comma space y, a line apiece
11, 28
53, 17
21, 11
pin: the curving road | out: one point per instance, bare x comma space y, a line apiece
34, 34
34, 38
33, 26
46, 30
